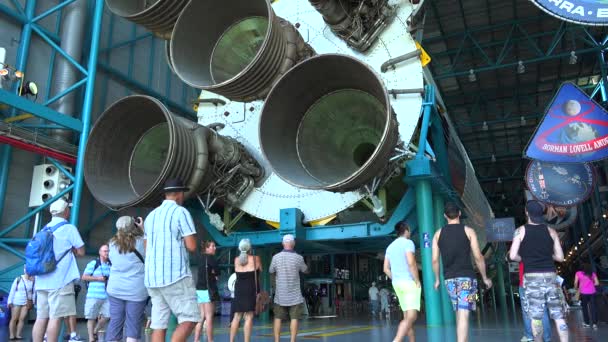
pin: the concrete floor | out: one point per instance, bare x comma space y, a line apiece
368, 329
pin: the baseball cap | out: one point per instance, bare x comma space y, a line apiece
535, 211
124, 222
288, 238
59, 206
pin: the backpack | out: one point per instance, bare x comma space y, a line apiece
39, 253
97, 264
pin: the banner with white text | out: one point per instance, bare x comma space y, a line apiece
573, 130
585, 12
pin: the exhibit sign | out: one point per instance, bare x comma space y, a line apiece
584, 12
573, 130
500, 229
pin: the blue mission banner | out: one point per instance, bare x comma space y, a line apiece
574, 129
586, 12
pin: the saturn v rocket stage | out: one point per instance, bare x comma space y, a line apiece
305, 104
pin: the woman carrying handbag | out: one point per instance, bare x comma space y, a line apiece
20, 300
247, 268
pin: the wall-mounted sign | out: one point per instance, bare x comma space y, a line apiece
500, 229
573, 130
585, 12
562, 185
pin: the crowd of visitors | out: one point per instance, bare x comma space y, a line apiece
148, 262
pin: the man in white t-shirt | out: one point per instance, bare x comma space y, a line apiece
400, 266
373, 298
55, 290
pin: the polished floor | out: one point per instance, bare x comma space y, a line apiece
368, 329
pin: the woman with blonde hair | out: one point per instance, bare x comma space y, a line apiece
247, 268
126, 291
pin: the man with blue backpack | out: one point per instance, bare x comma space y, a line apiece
51, 257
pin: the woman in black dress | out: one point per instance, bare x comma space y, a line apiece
247, 268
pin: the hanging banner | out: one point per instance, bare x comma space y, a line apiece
584, 12
563, 185
573, 130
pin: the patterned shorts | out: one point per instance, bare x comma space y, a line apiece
540, 290
462, 292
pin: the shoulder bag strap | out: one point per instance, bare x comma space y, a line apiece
207, 271
25, 287
255, 273
139, 256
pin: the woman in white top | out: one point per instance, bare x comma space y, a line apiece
126, 291
20, 300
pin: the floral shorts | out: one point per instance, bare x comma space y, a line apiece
462, 292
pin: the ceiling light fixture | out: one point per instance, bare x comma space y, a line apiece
573, 58
472, 77
521, 68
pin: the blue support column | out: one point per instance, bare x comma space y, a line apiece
447, 312
424, 209
86, 109
22, 55
418, 173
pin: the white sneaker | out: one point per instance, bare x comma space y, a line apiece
595, 327
525, 339
586, 325
76, 338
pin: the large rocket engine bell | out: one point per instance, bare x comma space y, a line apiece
328, 124
235, 48
137, 144
157, 16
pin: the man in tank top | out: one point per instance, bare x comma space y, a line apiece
537, 247
455, 242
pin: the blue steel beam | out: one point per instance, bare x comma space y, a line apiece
22, 55
37, 210
17, 6
323, 233
126, 42
52, 10
176, 107
61, 168
514, 64
57, 48
12, 250
23, 20
40, 111
86, 109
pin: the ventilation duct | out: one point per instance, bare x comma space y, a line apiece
65, 74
